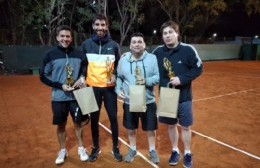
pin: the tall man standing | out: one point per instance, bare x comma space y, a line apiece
102, 56
62, 66
186, 66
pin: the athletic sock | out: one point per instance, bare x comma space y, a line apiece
133, 147
176, 149
151, 148
186, 152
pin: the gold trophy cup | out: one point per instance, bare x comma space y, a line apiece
109, 69
69, 77
138, 76
168, 66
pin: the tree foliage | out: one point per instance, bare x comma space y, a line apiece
171, 8
252, 7
128, 12
194, 16
34, 21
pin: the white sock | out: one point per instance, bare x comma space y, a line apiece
151, 148
133, 148
187, 151
80, 148
63, 150
176, 149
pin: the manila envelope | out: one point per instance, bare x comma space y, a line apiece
168, 102
137, 98
86, 100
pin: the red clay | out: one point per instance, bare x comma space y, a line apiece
226, 108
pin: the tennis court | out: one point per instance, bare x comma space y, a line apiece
225, 133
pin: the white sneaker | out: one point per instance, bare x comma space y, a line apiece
82, 154
61, 156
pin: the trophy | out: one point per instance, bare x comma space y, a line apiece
69, 77
109, 69
138, 76
168, 66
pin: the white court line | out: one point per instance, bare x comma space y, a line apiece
232, 74
124, 142
217, 141
228, 94
229, 146
210, 138
253, 93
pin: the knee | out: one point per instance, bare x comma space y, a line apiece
170, 127
61, 127
185, 128
131, 132
150, 133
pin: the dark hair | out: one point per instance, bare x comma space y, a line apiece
63, 27
137, 34
100, 17
171, 24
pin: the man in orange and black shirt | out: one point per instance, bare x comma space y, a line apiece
102, 55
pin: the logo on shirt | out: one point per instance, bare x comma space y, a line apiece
109, 48
179, 62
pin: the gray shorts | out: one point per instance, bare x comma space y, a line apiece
184, 117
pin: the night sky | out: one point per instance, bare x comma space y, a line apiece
234, 22
237, 23
231, 23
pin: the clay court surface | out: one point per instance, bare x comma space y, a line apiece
225, 132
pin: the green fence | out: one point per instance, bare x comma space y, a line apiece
28, 59
22, 58
248, 52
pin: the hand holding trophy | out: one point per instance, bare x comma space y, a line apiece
109, 69
138, 76
69, 78
168, 66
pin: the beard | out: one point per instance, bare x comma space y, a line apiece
101, 32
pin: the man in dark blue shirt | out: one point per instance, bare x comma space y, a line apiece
62, 66
185, 67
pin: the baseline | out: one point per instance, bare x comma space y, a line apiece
228, 94
224, 144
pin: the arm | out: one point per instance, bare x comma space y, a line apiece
154, 79
82, 73
119, 83
83, 66
195, 68
45, 74
117, 57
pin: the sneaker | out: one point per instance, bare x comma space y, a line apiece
175, 158
154, 157
118, 157
61, 157
94, 154
82, 154
130, 156
187, 162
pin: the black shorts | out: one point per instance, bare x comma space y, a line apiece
148, 119
61, 110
